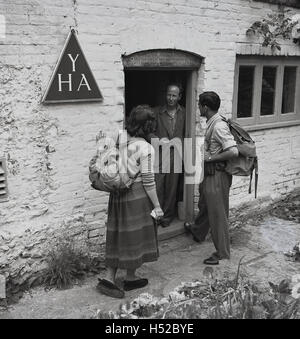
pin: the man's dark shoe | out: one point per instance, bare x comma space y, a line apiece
135, 284
108, 288
217, 256
196, 239
211, 261
164, 223
188, 229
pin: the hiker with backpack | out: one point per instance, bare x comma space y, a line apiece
131, 238
220, 147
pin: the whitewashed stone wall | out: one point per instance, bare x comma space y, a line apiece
48, 147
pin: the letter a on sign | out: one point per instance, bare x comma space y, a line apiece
72, 79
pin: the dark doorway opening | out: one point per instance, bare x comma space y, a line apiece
149, 87
147, 74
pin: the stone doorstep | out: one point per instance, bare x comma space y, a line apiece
2, 287
176, 228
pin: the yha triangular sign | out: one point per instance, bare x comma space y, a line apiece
72, 79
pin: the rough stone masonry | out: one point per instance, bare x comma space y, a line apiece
2, 287
47, 148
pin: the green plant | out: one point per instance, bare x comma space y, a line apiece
234, 298
67, 264
274, 26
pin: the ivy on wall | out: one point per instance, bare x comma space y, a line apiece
275, 26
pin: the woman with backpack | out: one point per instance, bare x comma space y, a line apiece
131, 238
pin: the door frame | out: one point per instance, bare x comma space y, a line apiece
190, 132
192, 65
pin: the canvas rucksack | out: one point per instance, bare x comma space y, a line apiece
104, 168
246, 163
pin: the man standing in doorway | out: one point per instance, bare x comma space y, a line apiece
170, 129
220, 147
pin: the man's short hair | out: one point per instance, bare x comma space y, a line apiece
211, 100
176, 84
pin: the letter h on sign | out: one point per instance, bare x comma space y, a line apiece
72, 79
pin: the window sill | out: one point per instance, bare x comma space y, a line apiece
271, 125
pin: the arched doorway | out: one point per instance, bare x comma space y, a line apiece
147, 74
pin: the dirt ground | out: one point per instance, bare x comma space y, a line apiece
262, 244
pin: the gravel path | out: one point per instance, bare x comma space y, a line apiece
262, 246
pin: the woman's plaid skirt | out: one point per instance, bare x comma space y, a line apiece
131, 237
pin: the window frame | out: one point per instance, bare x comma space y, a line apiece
278, 118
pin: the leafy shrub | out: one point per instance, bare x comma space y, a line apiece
218, 299
67, 264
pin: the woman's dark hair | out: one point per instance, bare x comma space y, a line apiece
211, 100
141, 122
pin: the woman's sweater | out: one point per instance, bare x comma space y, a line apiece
141, 157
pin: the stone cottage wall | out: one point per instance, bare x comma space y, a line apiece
48, 147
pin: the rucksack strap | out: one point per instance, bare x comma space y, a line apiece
250, 183
255, 170
125, 175
210, 131
256, 176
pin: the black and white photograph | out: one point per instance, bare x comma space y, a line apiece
149, 162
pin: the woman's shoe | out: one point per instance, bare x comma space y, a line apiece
134, 284
108, 288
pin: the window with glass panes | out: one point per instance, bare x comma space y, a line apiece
267, 90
